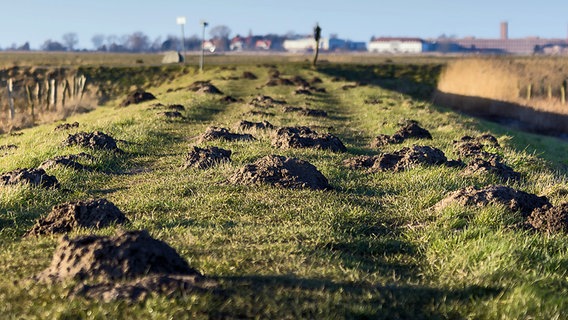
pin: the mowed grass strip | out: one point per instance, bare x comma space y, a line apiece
372, 247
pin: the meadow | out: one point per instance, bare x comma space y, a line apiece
374, 246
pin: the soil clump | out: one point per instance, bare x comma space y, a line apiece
65, 217
409, 130
69, 161
230, 99
94, 140
496, 194
494, 166
550, 220
67, 126
399, 160
214, 133
474, 147
282, 172
246, 125
304, 137
205, 158
249, 75
34, 177
204, 87
265, 101
306, 111
172, 114
136, 97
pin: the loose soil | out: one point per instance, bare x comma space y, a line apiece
137, 97
69, 216
176, 107
246, 125
306, 111
265, 101
400, 160
206, 158
34, 177
204, 87
550, 220
230, 99
67, 126
409, 130
249, 75
496, 194
282, 172
127, 255
304, 137
95, 140
215, 133
279, 82
494, 166
172, 114
474, 147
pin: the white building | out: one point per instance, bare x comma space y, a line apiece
309, 44
397, 45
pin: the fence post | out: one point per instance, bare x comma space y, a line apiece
52, 94
549, 92
30, 101
11, 98
563, 92
529, 91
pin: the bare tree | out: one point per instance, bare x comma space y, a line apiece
138, 42
50, 45
70, 39
98, 40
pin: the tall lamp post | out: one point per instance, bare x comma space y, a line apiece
181, 21
204, 24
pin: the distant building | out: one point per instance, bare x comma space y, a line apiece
237, 44
299, 45
398, 45
325, 44
506, 45
263, 44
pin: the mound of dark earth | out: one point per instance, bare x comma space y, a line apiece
127, 255
399, 160
282, 172
176, 107
67, 126
306, 111
137, 96
315, 80
249, 75
34, 177
474, 147
8, 147
138, 290
300, 81
550, 220
303, 91
304, 137
65, 217
246, 125
94, 140
171, 114
410, 130
230, 99
204, 87
265, 101
69, 161
215, 133
494, 166
206, 158
495, 194
258, 113
277, 81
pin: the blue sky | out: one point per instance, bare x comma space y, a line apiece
38, 20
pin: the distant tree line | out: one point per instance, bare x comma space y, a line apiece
140, 42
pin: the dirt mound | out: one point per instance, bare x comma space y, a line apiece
494, 166
7, 147
474, 147
299, 81
171, 114
409, 130
282, 172
399, 160
214, 133
249, 75
315, 80
35, 177
279, 82
205, 158
550, 220
246, 125
304, 137
265, 101
69, 161
94, 140
139, 289
204, 87
136, 97
230, 99
303, 91
514, 199
125, 256
258, 113
306, 111
176, 107
65, 217
67, 126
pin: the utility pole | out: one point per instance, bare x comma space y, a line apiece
204, 24
181, 21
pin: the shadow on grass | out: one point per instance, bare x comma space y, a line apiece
266, 296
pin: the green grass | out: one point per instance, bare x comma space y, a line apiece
371, 248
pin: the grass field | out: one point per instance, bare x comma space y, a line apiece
372, 247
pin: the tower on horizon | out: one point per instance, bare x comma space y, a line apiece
504, 30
